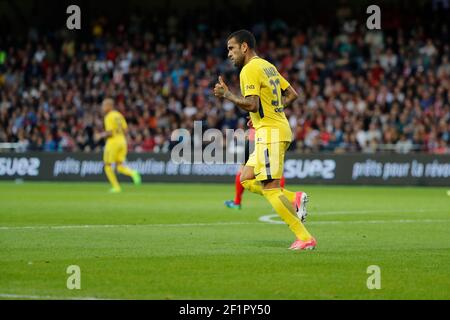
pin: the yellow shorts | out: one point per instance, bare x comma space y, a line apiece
268, 160
115, 152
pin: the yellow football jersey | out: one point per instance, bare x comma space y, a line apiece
116, 123
260, 78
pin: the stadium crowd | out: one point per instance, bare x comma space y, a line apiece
362, 90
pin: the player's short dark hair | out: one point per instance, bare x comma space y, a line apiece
242, 36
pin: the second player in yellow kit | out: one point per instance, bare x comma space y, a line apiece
265, 93
115, 151
116, 144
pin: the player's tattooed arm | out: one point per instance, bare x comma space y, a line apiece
250, 103
106, 134
289, 96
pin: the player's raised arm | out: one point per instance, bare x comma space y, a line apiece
250, 103
107, 106
106, 134
289, 96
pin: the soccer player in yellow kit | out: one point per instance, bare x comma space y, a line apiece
116, 146
264, 95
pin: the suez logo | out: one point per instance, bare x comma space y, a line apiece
310, 168
19, 166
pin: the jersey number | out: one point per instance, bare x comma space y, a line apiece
119, 129
275, 85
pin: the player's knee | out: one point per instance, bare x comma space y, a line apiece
247, 175
246, 184
244, 178
271, 184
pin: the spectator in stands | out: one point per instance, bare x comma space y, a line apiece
363, 90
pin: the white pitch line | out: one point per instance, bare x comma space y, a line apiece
91, 226
269, 219
374, 211
263, 220
33, 297
382, 221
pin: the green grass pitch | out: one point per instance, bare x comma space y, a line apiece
174, 241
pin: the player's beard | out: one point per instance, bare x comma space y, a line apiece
239, 62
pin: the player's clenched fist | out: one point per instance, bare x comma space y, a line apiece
220, 88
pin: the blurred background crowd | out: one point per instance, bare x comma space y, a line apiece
362, 90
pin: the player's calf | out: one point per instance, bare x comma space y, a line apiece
300, 202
